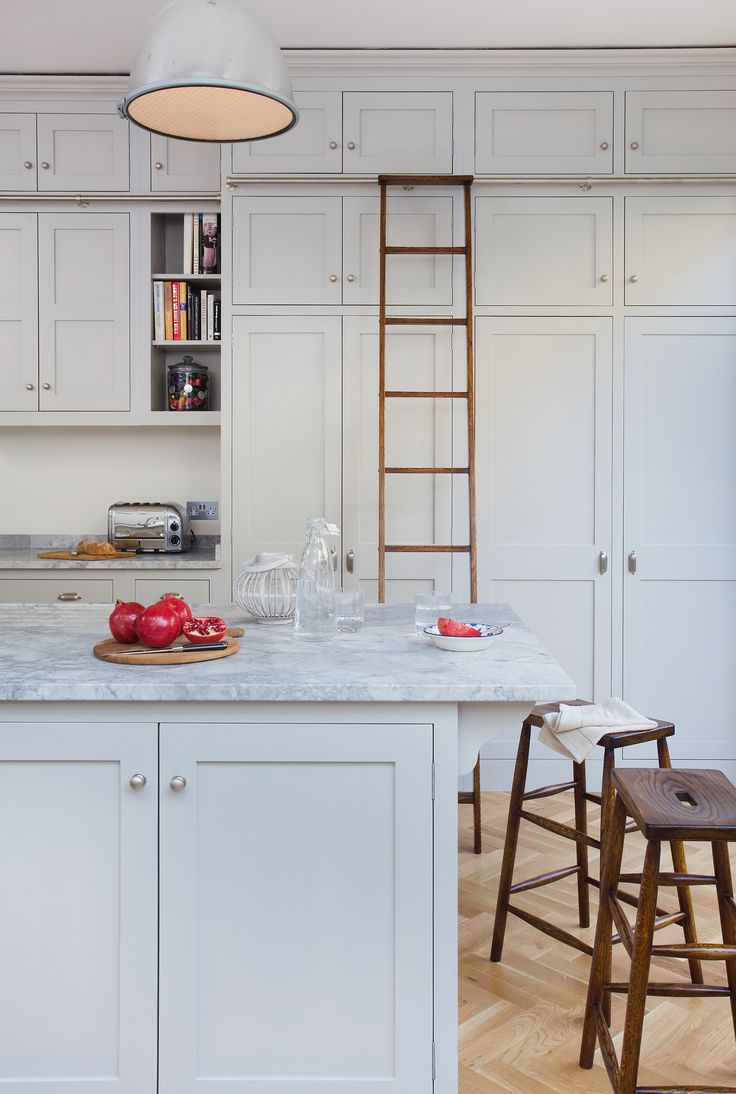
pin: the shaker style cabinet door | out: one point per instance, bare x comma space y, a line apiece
84, 315
296, 956
418, 434
69, 589
17, 151
287, 250
78, 938
83, 152
680, 524
681, 132
390, 132
543, 251
184, 166
287, 400
681, 251
543, 133
544, 471
314, 145
18, 312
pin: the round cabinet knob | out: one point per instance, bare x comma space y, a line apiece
137, 782
634, 145
28, 165
604, 146
333, 277
333, 145
178, 783
45, 165
46, 387
29, 387
634, 278
351, 278
351, 145
604, 277
158, 166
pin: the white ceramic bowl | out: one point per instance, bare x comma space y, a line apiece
464, 645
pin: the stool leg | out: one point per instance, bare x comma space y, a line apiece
477, 835
581, 824
679, 863
727, 912
516, 804
602, 948
639, 976
607, 801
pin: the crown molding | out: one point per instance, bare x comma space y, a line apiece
66, 87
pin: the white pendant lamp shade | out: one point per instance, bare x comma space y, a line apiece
207, 70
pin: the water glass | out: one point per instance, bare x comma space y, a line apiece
350, 609
428, 608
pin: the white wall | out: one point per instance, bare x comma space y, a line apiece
63, 480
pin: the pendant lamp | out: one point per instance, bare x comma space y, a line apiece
206, 70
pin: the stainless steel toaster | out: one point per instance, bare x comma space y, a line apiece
148, 526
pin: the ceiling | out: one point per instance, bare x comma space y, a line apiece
100, 36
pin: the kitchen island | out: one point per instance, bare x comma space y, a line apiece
260, 850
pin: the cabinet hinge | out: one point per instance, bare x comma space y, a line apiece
434, 770
434, 1061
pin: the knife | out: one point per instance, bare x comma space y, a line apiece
190, 646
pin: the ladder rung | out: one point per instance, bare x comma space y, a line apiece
717, 951
689, 991
427, 470
425, 251
427, 549
425, 180
426, 394
423, 321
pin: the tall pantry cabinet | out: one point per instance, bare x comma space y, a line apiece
605, 298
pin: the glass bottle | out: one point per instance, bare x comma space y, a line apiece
315, 617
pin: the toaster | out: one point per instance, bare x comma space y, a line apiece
148, 526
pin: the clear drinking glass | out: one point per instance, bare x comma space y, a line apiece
428, 608
350, 609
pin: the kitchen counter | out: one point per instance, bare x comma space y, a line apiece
199, 558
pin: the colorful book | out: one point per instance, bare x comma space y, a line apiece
210, 243
188, 245
175, 310
183, 318
159, 329
168, 313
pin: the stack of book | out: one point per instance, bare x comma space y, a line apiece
201, 243
185, 312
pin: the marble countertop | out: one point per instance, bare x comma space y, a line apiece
198, 558
47, 655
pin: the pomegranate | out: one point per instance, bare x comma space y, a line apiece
158, 625
209, 628
179, 605
453, 629
123, 620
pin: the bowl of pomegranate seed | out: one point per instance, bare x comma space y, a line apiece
461, 637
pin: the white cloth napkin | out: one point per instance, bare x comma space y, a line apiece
576, 730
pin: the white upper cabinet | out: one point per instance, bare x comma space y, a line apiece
681, 132
681, 251
313, 145
543, 251
543, 132
394, 132
184, 166
17, 151
83, 152
18, 311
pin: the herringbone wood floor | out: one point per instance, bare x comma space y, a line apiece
521, 1019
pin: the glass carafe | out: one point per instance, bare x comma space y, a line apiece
315, 617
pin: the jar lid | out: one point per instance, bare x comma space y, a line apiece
188, 364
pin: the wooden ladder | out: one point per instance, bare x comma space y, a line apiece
384, 321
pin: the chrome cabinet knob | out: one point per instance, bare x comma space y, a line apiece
45, 165
28, 165
350, 561
604, 146
46, 387
604, 277
69, 596
351, 277
634, 278
351, 145
178, 783
632, 562
602, 563
333, 277
333, 145
137, 782
634, 145
158, 166
29, 387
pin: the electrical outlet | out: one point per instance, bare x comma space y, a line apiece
203, 510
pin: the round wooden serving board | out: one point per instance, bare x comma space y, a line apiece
110, 650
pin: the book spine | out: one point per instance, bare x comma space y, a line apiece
216, 322
175, 310
210, 317
159, 330
190, 314
183, 317
168, 312
188, 248
196, 242
197, 319
203, 315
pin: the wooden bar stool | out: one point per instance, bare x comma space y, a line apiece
579, 834
666, 805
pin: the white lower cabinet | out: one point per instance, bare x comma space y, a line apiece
78, 939
68, 588
296, 958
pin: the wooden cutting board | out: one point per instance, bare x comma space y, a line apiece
70, 557
113, 651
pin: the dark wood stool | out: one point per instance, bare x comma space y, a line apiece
579, 834
472, 797
666, 805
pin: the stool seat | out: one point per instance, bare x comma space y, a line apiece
672, 804
617, 738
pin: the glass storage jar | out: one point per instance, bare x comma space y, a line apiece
189, 385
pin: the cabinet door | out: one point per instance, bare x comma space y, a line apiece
544, 484
287, 400
83, 152
70, 589
392, 132
78, 858
287, 250
83, 330
681, 250
18, 312
543, 132
680, 519
296, 909
415, 221
418, 434
543, 251
681, 132
184, 166
17, 151
313, 145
